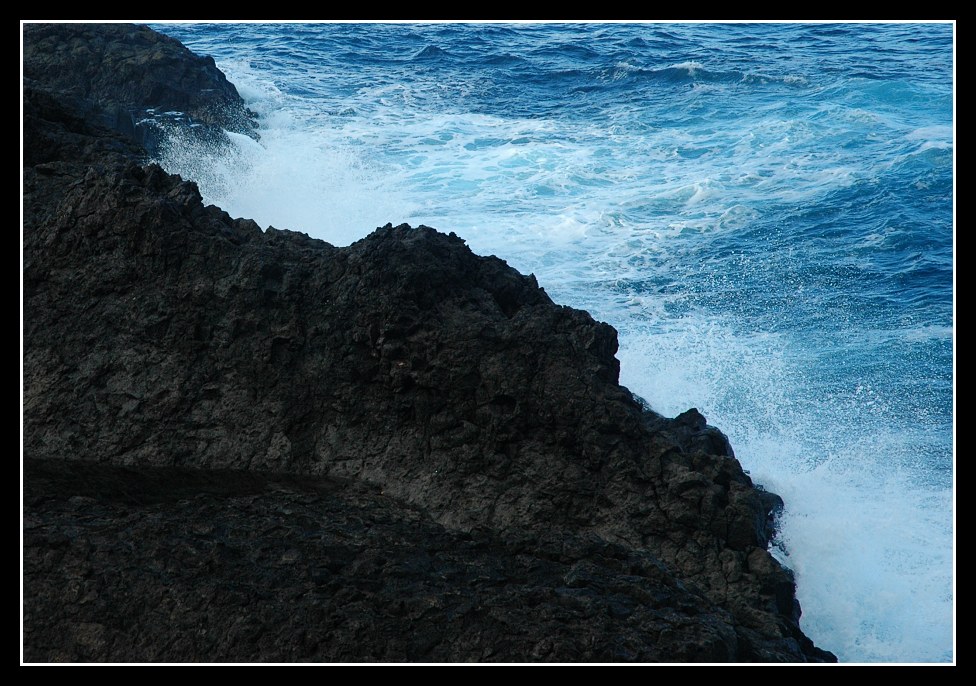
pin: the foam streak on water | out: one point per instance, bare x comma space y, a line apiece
764, 212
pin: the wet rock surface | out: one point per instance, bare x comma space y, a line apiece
245, 445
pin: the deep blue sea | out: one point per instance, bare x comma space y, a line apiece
763, 211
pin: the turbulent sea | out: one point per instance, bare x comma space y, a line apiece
763, 211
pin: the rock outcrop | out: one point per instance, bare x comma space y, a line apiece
245, 445
135, 81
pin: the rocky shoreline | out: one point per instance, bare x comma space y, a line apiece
246, 445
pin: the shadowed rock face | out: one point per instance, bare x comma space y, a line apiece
183, 565
247, 445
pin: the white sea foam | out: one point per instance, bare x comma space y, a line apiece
622, 70
870, 541
872, 551
298, 177
795, 79
690, 66
931, 133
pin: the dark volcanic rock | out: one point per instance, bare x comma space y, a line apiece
133, 80
247, 445
179, 565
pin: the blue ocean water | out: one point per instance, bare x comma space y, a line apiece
763, 211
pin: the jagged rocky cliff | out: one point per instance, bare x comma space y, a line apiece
244, 445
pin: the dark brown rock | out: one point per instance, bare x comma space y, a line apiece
465, 478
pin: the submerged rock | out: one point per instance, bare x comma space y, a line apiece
247, 445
